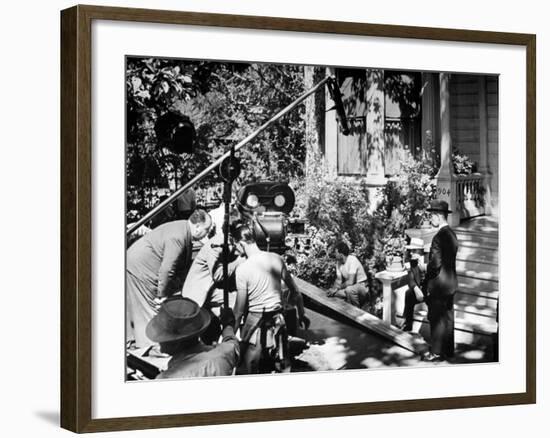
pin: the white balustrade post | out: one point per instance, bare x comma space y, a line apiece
390, 281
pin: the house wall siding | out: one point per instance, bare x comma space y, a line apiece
464, 99
492, 122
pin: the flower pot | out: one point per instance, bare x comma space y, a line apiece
394, 264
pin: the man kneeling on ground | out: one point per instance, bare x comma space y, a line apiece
351, 279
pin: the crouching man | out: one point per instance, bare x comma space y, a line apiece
259, 302
351, 279
177, 328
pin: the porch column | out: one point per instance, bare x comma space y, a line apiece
314, 117
375, 127
445, 187
482, 103
430, 114
484, 142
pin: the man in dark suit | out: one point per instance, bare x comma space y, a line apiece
441, 284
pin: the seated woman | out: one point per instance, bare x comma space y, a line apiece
351, 279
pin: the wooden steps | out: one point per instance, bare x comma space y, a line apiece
483, 239
482, 255
476, 283
490, 289
476, 300
470, 315
463, 321
476, 244
474, 268
466, 332
486, 224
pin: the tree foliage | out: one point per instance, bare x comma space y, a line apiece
226, 102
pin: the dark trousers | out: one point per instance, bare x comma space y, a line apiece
442, 324
251, 359
408, 310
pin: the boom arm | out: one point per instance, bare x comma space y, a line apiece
334, 91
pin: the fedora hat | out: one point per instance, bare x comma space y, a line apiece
178, 319
416, 243
439, 205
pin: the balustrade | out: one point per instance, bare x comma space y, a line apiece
470, 195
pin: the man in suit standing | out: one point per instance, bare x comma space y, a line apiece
441, 284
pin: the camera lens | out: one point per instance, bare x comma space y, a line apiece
252, 200
279, 201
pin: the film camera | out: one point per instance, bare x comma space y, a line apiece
265, 207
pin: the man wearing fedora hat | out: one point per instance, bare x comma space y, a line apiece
414, 294
156, 265
177, 328
441, 284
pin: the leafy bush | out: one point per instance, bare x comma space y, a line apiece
462, 164
407, 195
226, 102
335, 210
341, 210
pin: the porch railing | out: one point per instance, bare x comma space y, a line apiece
470, 195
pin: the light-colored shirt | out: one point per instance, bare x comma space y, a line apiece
217, 215
206, 273
160, 259
260, 277
204, 360
351, 269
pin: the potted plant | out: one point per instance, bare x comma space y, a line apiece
394, 250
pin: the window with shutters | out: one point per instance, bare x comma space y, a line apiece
402, 123
351, 149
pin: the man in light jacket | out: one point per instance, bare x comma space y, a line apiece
156, 266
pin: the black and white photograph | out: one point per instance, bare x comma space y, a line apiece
286, 218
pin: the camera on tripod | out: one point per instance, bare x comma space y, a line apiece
265, 207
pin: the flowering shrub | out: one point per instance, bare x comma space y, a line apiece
462, 164
341, 210
335, 210
407, 196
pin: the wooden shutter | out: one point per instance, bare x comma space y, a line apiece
402, 128
351, 149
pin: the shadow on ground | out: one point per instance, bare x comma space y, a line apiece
336, 345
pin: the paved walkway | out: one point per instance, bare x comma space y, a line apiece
337, 345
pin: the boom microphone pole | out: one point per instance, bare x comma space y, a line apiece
336, 96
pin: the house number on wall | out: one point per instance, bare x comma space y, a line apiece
443, 191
